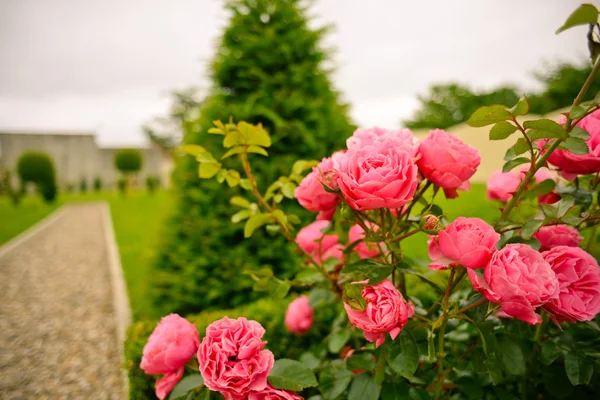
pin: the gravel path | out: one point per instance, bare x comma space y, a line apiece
57, 325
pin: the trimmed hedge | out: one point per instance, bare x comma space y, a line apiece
270, 314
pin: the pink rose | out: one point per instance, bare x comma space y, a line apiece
466, 241
377, 176
231, 358
172, 344
581, 164
401, 138
165, 384
447, 161
502, 185
311, 194
558, 235
364, 249
519, 279
386, 312
578, 276
299, 316
322, 247
271, 393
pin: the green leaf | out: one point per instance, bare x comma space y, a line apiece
560, 208
509, 165
308, 276
233, 151
205, 156
245, 183
291, 375
584, 15
510, 154
310, 360
259, 137
188, 383
543, 187
288, 190
550, 129
363, 387
239, 201
583, 197
361, 361
578, 132
208, 170
191, 149
257, 150
577, 112
221, 175
488, 115
240, 216
521, 108
333, 381
403, 267
337, 339
352, 295
579, 368
501, 130
232, 177
430, 347
371, 269
404, 354
302, 165
512, 357
395, 390
575, 145
494, 369
255, 222
549, 353
278, 289
521, 146
531, 227
234, 138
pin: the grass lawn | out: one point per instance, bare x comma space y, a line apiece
137, 219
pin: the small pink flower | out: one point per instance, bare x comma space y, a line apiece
377, 176
364, 249
312, 195
519, 279
557, 235
447, 161
401, 138
386, 312
165, 384
299, 316
322, 247
581, 164
502, 185
466, 241
172, 344
271, 393
232, 359
578, 275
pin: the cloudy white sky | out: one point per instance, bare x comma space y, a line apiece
108, 65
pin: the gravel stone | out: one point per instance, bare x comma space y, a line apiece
57, 324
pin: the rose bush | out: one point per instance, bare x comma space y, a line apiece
507, 308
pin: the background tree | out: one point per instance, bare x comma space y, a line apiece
128, 162
38, 168
268, 68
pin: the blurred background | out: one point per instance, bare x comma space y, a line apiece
95, 96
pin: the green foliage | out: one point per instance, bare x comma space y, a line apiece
266, 71
83, 185
128, 161
122, 186
97, 184
38, 168
152, 183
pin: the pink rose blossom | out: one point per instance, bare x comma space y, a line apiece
519, 279
364, 249
401, 138
299, 316
271, 393
172, 344
231, 357
466, 241
322, 247
165, 384
311, 194
502, 185
377, 176
581, 164
578, 276
447, 161
386, 312
557, 235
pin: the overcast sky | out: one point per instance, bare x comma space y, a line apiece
108, 65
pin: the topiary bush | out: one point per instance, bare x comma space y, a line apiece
128, 161
269, 72
83, 185
97, 184
38, 168
152, 183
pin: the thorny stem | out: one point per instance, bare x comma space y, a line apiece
416, 198
471, 306
441, 333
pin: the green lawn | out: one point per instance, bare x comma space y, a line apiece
137, 219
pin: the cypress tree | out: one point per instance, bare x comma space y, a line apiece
268, 68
